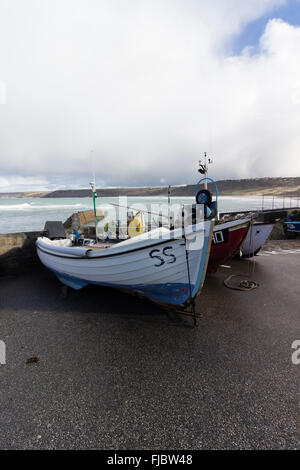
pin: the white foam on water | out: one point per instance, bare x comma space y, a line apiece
27, 207
61, 206
15, 207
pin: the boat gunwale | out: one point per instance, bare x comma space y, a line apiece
231, 226
113, 253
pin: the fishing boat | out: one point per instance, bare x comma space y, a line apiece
166, 265
255, 238
161, 264
227, 239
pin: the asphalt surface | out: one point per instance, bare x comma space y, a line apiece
117, 372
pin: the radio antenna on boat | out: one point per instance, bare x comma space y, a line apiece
94, 195
93, 172
169, 201
93, 187
203, 167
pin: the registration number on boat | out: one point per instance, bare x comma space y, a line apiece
163, 256
220, 236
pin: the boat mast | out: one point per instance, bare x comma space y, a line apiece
93, 188
169, 201
94, 195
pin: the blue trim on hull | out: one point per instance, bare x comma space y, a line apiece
71, 281
170, 293
202, 266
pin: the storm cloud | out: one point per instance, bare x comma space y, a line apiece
147, 86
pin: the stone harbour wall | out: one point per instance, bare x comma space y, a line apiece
17, 252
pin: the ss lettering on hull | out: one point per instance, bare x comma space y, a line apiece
163, 256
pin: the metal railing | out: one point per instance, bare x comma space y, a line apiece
282, 201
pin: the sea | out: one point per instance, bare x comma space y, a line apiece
30, 214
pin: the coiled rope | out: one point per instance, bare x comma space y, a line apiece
243, 285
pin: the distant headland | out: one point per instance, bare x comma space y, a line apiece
288, 186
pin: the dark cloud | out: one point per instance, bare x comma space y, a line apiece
148, 87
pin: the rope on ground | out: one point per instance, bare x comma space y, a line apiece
243, 285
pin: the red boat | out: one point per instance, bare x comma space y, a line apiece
226, 240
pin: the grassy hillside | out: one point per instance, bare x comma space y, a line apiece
23, 195
244, 187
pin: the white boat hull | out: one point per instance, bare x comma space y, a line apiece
156, 268
255, 238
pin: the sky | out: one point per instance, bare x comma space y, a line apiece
137, 90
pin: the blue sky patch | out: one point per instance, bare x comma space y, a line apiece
250, 36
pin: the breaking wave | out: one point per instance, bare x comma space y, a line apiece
30, 207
